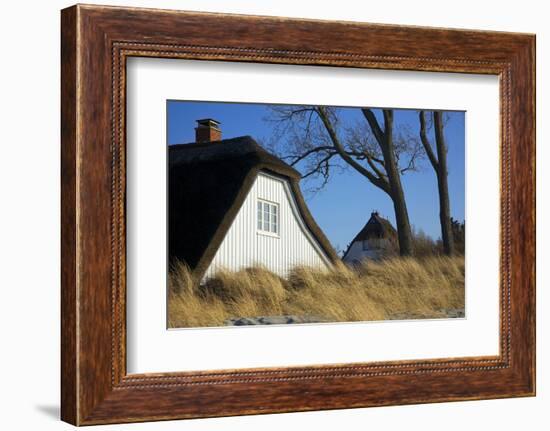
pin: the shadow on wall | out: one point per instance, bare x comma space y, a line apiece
52, 411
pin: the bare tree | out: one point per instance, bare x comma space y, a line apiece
317, 140
439, 163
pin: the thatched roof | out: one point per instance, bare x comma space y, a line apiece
376, 227
208, 183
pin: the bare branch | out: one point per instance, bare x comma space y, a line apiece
309, 134
373, 123
377, 171
425, 141
322, 164
377, 181
299, 158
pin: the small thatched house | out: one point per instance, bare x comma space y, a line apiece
233, 205
377, 238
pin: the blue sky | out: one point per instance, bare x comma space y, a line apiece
344, 205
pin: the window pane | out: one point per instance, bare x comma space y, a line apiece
266, 216
259, 215
274, 220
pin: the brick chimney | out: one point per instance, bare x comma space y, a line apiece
208, 130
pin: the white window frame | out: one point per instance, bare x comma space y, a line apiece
273, 228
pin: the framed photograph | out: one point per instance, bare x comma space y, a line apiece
266, 215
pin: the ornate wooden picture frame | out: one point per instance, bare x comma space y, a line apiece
96, 41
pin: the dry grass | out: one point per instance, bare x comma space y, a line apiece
405, 287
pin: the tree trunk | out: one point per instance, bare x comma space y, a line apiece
404, 233
441, 171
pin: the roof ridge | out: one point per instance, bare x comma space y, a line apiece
232, 148
188, 145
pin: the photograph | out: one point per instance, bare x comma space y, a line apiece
306, 214
271, 211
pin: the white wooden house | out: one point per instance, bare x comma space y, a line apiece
234, 205
377, 238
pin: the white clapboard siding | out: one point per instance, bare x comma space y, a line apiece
245, 246
374, 250
357, 254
